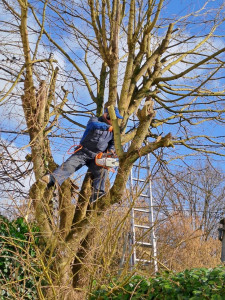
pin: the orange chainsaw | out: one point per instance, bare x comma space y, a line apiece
106, 160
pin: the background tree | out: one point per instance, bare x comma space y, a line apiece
197, 192
165, 73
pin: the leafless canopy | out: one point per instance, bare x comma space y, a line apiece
62, 60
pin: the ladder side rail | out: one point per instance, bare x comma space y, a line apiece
133, 256
151, 215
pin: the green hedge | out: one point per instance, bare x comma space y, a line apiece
18, 265
190, 284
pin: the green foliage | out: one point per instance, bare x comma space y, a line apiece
190, 284
18, 265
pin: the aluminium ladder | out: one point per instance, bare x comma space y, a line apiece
142, 234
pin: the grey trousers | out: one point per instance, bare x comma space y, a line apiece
74, 163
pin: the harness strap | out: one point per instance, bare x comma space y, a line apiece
79, 147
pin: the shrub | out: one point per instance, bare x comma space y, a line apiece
18, 266
191, 284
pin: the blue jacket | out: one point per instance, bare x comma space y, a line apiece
97, 137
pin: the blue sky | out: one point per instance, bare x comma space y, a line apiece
60, 145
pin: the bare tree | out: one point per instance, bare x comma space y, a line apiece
165, 73
196, 191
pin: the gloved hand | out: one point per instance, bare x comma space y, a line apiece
110, 129
113, 152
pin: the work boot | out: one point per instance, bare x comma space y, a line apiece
96, 195
48, 179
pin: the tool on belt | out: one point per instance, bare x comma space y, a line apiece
106, 160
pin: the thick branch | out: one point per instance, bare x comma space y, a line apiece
116, 130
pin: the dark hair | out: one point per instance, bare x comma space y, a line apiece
108, 117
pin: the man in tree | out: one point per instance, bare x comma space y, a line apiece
98, 137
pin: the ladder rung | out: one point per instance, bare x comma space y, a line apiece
142, 226
137, 179
144, 195
141, 210
144, 244
143, 260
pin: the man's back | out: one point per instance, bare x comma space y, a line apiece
97, 137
